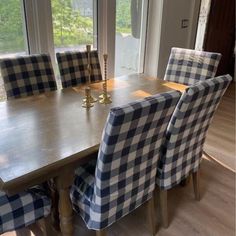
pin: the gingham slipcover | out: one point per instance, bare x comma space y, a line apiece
182, 150
124, 176
21, 210
186, 66
27, 75
73, 66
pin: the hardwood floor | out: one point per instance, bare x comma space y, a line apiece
214, 214
220, 142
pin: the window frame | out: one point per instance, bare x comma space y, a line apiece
24, 29
39, 30
107, 33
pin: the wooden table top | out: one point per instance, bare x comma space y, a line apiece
40, 135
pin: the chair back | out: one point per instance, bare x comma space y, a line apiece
182, 151
27, 75
127, 159
73, 67
188, 67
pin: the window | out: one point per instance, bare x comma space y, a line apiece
74, 24
13, 40
12, 28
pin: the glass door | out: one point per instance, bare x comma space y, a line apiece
131, 20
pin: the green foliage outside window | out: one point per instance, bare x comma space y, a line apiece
123, 16
69, 26
11, 27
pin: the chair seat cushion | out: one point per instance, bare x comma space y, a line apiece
22, 209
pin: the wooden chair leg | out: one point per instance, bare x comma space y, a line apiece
185, 181
151, 216
23, 232
36, 229
101, 232
156, 198
164, 208
47, 226
196, 185
42, 227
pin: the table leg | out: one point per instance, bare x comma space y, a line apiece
55, 201
64, 182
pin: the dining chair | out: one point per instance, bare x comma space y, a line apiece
186, 66
123, 176
23, 209
27, 75
182, 150
73, 67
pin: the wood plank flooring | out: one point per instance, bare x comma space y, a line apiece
213, 215
220, 142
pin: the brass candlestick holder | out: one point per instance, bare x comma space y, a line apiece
86, 101
105, 98
89, 99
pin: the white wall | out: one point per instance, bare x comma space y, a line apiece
165, 19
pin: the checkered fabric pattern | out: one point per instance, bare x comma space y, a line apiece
73, 67
188, 67
182, 151
124, 176
27, 75
20, 210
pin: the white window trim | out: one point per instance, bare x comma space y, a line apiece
144, 28
25, 26
106, 33
95, 25
39, 25
153, 37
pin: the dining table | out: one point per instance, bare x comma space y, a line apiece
49, 135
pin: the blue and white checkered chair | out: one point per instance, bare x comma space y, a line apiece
27, 75
23, 209
124, 175
189, 67
182, 150
73, 67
